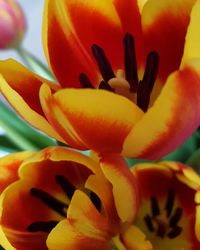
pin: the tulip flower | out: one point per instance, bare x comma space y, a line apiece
32, 206
128, 77
168, 215
169, 205
12, 24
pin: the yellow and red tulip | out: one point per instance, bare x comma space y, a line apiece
60, 199
12, 24
49, 181
168, 215
137, 70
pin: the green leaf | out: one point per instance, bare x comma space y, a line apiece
132, 162
7, 145
194, 161
21, 133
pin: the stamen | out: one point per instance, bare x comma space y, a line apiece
164, 223
170, 202
42, 226
96, 201
130, 62
106, 86
103, 63
50, 201
149, 223
67, 186
146, 84
175, 217
176, 231
155, 210
85, 81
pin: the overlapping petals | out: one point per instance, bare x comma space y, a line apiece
9, 166
86, 228
20, 87
169, 205
49, 181
168, 215
115, 122
68, 45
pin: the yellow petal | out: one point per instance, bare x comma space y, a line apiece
192, 43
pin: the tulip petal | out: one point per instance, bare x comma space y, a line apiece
58, 154
86, 218
192, 43
21, 88
130, 19
116, 171
141, 4
9, 166
65, 236
85, 227
59, 121
95, 119
68, 44
101, 187
172, 118
135, 239
164, 25
4, 241
197, 222
24, 82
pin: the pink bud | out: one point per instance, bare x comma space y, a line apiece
12, 24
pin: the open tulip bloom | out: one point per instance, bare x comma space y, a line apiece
127, 85
128, 77
60, 199
40, 196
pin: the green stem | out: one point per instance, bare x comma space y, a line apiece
21, 52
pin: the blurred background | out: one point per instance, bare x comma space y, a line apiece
33, 40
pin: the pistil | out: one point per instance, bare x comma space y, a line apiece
142, 88
164, 223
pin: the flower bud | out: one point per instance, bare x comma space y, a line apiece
12, 24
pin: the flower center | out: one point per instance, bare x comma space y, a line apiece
56, 204
164, 223
131, 84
